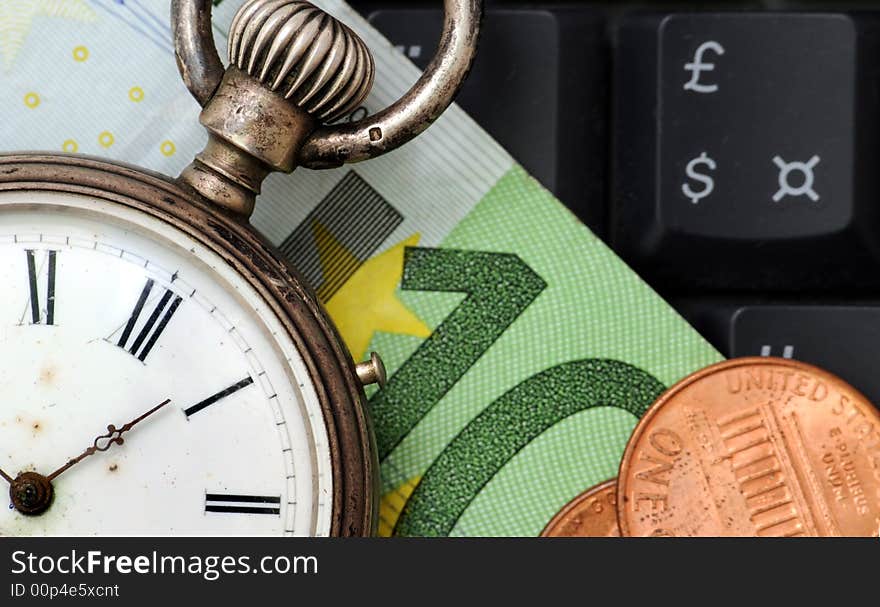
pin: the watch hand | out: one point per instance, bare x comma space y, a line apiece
113, 435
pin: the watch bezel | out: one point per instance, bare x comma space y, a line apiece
352, 448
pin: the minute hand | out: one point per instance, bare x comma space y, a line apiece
104, 441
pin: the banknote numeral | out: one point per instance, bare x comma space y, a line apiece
510, 423
499, 288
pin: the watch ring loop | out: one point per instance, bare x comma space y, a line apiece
333, 145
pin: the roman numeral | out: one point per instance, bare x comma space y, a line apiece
152, 329
40, 315
242, 504
247, 381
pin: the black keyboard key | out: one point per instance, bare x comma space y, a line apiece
844, 339
745, 151
538, 86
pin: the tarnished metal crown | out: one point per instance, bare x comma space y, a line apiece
301, 52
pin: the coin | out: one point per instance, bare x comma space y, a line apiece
754, 447
593, 513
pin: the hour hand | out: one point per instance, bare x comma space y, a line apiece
105, 441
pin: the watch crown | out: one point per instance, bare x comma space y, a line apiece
303, 54
372, 371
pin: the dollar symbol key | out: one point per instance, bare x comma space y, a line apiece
694, 174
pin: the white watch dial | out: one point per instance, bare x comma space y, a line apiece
105, 313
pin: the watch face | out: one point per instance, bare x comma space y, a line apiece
107, 312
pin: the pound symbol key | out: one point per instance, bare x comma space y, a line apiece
693, 173
697, 67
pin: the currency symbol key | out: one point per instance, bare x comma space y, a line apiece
748, 150
808, 177
695, 172
697, 66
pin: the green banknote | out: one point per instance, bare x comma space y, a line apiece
520, 349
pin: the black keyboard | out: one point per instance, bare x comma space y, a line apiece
730, 155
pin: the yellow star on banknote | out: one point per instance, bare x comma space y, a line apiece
368, 302
17, 16
392, 505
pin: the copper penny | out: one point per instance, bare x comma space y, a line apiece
593, 513
754, 447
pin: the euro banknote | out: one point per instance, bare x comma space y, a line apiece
520, 349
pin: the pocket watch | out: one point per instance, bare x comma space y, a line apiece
163, 370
